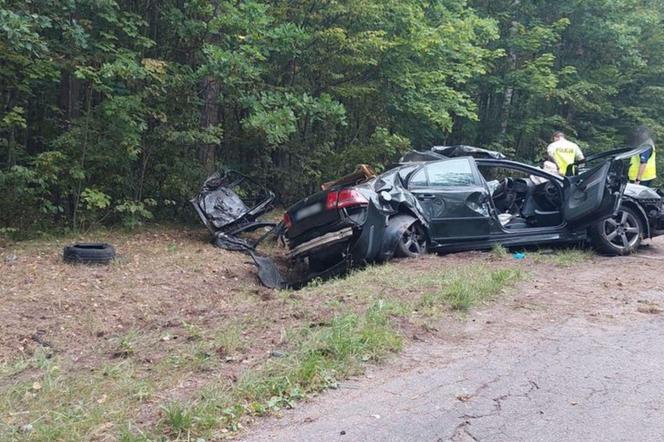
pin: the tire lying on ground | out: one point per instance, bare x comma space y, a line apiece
618, 235
89, 253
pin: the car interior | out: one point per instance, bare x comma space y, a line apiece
523, 201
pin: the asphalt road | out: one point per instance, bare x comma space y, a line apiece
586, 374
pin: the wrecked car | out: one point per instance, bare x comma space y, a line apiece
471, 199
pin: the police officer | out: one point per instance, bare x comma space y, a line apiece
642, 168
563, 152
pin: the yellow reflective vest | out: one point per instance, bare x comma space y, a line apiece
564, 156
650, 172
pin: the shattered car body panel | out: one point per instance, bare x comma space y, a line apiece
462, 150
230, 204
370, 230
648, 202
455, 151
449, 199
361, 174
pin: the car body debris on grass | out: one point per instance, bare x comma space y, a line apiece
447, 199
230, 204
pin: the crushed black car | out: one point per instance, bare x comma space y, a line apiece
464, 198
449, 198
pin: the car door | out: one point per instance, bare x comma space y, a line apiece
595, 193
454, 200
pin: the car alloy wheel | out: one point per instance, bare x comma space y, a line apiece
622, 230
414, 240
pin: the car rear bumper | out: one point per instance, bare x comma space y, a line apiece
320, 242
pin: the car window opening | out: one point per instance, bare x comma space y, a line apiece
522, 200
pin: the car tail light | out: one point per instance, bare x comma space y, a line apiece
351, 198
288, 222
345, 198
331, 200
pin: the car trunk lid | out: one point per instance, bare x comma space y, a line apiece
311, 213
322, 209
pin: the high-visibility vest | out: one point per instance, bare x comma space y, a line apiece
564, 156
650, 172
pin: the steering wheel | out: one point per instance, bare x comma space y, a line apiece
503, 187
552, 194
504, 191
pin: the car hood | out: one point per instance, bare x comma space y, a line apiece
639, 192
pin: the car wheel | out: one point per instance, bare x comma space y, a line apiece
413, 242
619, 234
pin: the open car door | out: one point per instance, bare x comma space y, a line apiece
597, 191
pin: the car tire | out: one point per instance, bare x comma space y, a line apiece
412, 242
89, 253
619, 234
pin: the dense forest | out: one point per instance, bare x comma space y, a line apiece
114, 111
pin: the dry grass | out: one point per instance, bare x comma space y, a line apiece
177, 340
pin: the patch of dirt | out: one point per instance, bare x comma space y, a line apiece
159, 280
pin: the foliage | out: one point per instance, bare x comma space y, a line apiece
579, 66
114, 111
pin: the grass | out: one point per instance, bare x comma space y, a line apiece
229, 338
316, 360
126, 343
320, 357
567, 257
178, 420
195, 356
499, 252
561, 257
53, 405
466, 287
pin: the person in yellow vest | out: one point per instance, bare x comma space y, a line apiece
643, 168
563, 152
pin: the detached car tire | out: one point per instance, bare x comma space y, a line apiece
89, 253
618, 235
413, 242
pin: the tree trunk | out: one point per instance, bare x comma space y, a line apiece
84, 151
207, 153
505, 114
508, 94
70, 91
